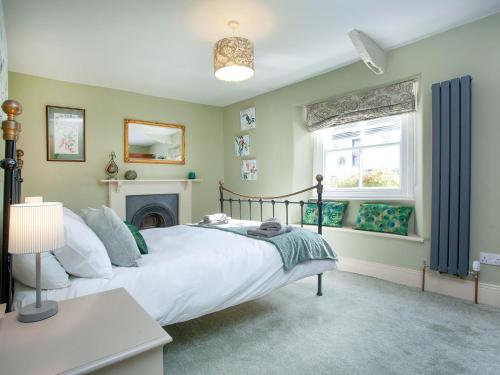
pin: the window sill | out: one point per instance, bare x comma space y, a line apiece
411, 237
365, 199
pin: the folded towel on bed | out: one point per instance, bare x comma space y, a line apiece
295, 247
271, 224
219, 218
268, 233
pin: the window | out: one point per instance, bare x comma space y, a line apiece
367, 159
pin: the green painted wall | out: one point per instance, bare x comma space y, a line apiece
75, 184
283, 147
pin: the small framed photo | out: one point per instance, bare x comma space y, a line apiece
242, 145
247, 119
65, 134
249, 170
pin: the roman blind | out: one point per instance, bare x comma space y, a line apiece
384, 101
451, 157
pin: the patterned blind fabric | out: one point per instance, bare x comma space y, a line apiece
364, 105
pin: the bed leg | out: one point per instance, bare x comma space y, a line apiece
320, 289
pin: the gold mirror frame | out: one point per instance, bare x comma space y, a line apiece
128, 159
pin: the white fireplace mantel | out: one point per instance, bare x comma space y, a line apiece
117, 184
119, 189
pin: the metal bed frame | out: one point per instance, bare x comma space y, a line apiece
276, 200
12, 165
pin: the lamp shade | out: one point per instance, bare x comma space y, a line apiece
233, 59
35, 227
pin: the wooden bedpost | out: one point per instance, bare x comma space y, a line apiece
221, 196
11, 129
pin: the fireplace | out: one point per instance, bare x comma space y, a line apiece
119, 190
152, 210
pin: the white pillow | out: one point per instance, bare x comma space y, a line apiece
53, 275
84, 254
69, 213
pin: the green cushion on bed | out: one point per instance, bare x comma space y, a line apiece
141, 244
333, 213
380, 217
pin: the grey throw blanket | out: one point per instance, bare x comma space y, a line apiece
294, 247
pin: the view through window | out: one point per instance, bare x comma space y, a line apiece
366, 156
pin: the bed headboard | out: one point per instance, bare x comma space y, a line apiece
12, 165
273, 201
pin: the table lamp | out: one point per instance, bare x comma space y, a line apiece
35, 228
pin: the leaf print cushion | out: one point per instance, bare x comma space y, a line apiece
333, 213
379, 217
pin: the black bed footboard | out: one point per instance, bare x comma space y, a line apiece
236, 205
260, 201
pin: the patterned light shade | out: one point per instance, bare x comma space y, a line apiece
233, 59
35, 227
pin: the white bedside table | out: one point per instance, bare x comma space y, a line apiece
103, 333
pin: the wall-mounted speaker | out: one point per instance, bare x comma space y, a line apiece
371, 53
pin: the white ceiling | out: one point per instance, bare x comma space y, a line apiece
164, 48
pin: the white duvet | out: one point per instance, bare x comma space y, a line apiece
190, 272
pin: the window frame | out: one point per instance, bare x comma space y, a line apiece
404, 192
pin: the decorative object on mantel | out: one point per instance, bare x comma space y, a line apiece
111, 167
247, 119
242, 145
192, 176
233, 57
130, 175
249, 170
65, 134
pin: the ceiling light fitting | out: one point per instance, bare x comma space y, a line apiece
233, 57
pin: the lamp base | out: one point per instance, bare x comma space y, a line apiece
31, 313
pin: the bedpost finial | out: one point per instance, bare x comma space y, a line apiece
319, 186
11, 128
12, 108
221, 183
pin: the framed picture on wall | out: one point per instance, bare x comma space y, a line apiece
249, 170
242, 145
247, 119
65, 134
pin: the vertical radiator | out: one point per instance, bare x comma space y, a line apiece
451, 155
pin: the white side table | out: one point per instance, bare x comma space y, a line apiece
103, 333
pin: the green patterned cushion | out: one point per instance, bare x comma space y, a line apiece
379, 217
333, 213
141, 244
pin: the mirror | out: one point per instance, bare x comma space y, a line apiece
154, 142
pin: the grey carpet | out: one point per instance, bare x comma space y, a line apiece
361, 325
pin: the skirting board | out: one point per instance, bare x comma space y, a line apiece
489, 294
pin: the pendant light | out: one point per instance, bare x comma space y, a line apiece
233, 57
